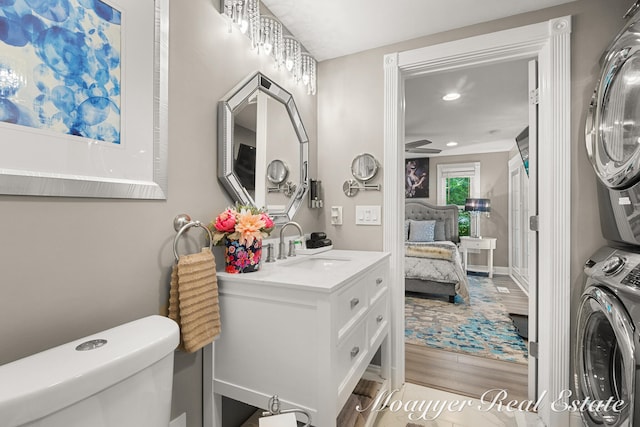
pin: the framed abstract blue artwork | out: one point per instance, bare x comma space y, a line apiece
79, 114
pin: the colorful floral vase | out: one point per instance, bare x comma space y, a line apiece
241, 258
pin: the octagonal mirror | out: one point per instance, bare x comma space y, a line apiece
258, 123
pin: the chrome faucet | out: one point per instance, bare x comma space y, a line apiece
281, 249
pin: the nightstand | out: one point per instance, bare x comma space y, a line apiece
488, 243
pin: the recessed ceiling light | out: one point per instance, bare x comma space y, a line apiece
452, 144
451, 96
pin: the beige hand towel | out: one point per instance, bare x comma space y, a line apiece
193, 300
367, 388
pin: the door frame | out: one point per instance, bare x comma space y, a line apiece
549, 42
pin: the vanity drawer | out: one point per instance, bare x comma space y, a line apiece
377, 282
351, 304
378, 318
350, 355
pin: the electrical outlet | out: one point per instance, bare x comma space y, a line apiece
336, 215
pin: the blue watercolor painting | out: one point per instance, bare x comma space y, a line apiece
60, 67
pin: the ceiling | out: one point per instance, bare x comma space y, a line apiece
492, 110
493, 107
333, 28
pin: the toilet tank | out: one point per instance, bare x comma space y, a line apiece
121, 377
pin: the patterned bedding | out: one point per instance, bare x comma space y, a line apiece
438, 262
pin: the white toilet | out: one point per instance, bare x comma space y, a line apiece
121, 377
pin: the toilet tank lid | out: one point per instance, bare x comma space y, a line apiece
46, 382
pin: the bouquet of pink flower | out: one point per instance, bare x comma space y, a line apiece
242, 223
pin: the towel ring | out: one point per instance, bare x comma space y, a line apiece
184, 228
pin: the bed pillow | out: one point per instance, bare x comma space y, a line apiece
439, 234
406, 230
422, 231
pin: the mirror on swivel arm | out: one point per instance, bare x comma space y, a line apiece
260, 132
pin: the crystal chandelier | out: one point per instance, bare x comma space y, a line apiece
245, 14
267, 37
292, 56
271, 39
309, 73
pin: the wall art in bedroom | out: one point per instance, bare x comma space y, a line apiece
416, 180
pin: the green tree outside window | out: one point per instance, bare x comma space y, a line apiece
458, 190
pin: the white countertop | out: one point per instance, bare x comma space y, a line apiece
320, 272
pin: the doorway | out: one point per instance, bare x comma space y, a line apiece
467, 121
549, 42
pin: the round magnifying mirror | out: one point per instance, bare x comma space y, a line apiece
277, 172
364, 167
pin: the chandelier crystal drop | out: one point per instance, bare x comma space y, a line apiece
244, 14
309, 73
293, 57
271, 41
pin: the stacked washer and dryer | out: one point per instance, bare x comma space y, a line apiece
607, 352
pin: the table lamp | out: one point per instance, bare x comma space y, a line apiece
475, 207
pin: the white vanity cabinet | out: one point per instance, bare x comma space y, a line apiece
305, 329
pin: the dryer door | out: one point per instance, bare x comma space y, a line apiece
613, 121
604, 363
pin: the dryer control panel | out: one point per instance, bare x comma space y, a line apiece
633, 278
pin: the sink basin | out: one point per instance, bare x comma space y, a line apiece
317, 263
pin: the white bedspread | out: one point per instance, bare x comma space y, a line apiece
438, 262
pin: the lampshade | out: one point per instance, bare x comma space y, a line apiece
477, 205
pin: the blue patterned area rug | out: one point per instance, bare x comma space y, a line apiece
481, 328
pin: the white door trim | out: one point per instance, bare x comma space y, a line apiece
549, 42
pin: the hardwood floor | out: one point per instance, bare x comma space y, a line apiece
516, 301
470, 375
462, 374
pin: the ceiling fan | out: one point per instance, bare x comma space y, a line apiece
417, 147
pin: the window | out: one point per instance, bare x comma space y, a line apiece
456, 183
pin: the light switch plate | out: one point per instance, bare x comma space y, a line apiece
368, 215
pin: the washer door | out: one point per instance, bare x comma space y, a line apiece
613, 122
604, 362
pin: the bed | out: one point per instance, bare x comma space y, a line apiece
433, 265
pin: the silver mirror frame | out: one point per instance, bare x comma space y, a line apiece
360, 158
233, 101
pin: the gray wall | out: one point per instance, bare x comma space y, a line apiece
350, 118
72, 267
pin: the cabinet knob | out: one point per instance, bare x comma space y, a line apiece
355, 302
378, 280
355, 351
380, 318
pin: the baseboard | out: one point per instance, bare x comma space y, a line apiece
520, 285
179, 421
